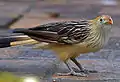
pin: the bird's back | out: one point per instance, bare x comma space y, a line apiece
69, 32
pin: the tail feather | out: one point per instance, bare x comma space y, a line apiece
31, 41
15, 40
19, 30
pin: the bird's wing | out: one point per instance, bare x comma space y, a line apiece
69, 32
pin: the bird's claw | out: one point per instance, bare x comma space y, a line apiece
81, 74
84, 70
89, 71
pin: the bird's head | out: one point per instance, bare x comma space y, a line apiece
103, 20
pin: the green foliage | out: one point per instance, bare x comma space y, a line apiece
9, 77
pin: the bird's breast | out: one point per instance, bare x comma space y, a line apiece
97, 39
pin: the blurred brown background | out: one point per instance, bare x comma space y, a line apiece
30, 13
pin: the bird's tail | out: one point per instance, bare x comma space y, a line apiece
15, 40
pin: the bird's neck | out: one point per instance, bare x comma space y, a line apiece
105, 31
99, 36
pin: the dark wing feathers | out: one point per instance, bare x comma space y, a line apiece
69, 32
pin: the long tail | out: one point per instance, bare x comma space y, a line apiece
16, 40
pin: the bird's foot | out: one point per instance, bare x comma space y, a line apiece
89, 71
81, 74
84, 70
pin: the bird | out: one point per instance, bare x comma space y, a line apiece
69, 39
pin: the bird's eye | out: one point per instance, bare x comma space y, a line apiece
101, 20
110, 20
